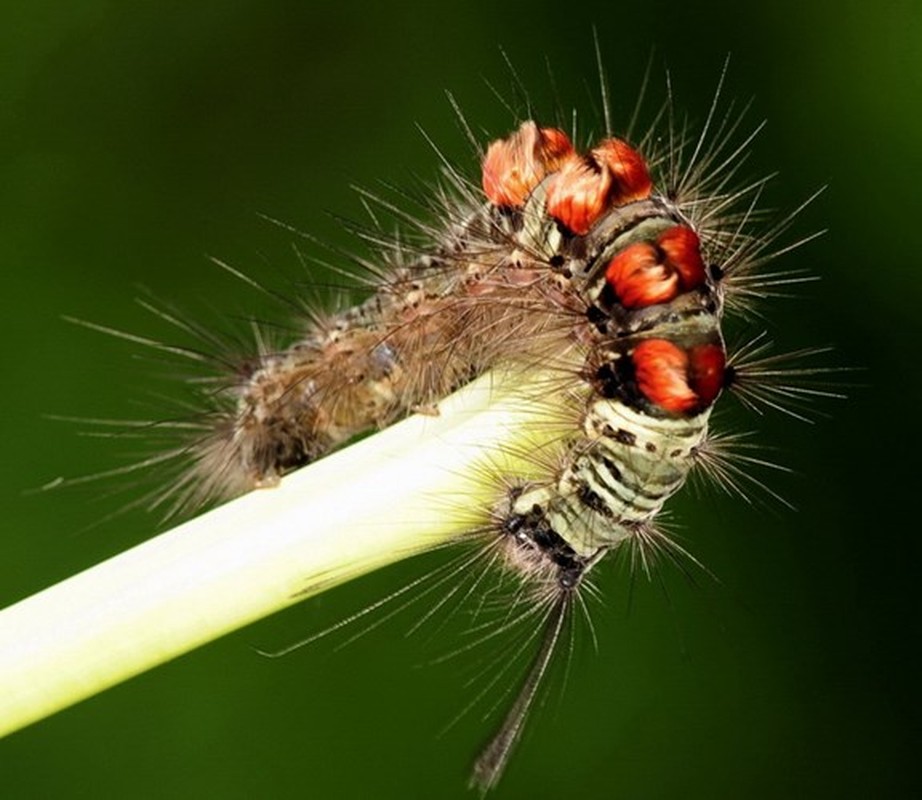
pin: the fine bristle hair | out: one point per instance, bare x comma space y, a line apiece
732, 462
783, 382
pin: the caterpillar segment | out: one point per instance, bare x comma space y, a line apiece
433, 327
653, 365
654, 359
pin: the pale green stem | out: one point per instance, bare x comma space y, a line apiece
410, 488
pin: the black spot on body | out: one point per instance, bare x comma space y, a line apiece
607, 381
592, 500
569, 577
615, 380
612, 468
596, 316
513, 523
607, 296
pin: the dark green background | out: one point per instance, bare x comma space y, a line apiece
137, 138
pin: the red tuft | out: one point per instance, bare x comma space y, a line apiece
661, 371
613, 174
682, 249
513, 166
639, 279
707, 363
643, 274
579, 194
631, 177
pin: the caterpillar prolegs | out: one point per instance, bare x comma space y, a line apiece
607, 266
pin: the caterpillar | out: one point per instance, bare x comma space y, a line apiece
606, 263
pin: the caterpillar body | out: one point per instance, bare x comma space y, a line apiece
608, 267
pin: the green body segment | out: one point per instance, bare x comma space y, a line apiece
631, 464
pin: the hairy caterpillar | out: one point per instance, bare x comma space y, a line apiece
602, 263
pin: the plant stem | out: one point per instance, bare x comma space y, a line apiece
410, 488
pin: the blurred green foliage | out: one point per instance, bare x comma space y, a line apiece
135, 139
